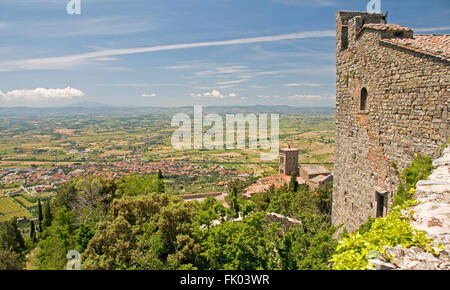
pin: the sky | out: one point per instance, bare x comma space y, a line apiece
170, 53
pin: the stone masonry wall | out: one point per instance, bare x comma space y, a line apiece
406, 113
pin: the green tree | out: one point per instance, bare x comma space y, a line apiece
309, 246
134, 184
161, 186
247, 245
151, 231
82, 237
89, 196
10, 260
40, 217
281, 202
235, 188
324, 195
66, 195
11, 238
262, 200
56, 240
47, 220
12, 246
32, 232
293, 184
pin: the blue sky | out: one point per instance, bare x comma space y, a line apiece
182, 52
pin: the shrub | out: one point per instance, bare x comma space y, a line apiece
392, 230
353, 251
419, 169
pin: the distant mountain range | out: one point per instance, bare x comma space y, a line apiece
87, 104
86, 108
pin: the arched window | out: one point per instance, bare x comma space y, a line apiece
363, 100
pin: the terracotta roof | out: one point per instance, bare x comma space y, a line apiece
387, 27
256, 188
432, 44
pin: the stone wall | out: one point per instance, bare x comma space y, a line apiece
431, 215
406, 113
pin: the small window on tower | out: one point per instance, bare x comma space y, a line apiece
363, 100
344, 37
381, 200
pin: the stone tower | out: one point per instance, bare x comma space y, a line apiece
392, 101
288, 161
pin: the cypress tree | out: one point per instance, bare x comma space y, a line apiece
160, 175
47, 220
32, 232
40, 217
161, 185
293, 184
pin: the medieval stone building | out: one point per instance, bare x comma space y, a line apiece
288, 161
392, 101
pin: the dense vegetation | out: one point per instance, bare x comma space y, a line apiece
132, 224
354, 250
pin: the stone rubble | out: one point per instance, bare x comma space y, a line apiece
431, 215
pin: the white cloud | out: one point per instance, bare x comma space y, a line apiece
269, 97
216, 94
41, 94
228, 69
298, 97
149, 95
257, 87
302, 84
69, 61
306, 97
179, 67
232, 82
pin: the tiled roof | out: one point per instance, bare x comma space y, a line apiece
432, 44
385, 27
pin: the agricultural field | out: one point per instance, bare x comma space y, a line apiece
10, 208
65, 141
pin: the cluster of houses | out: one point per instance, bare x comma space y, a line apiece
312, 175
45, 179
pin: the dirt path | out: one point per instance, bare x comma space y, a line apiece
30, 259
